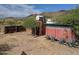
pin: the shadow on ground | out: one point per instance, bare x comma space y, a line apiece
4, 48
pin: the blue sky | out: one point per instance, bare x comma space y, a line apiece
22, 10
54, 7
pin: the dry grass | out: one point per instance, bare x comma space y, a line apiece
23, 41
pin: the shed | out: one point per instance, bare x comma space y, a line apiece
4, 29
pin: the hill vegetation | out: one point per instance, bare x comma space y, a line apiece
63, 17
72, 17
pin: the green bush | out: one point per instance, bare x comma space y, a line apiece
30, 22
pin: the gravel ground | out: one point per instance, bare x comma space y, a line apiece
23, 41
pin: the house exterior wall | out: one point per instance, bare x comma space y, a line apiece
60, 33
40, 29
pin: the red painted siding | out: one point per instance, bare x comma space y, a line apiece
60, 33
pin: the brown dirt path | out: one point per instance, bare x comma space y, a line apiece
23, 41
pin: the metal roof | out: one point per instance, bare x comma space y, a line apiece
59, 25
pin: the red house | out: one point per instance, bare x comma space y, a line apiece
60, 32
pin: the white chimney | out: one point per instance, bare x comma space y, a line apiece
38, 17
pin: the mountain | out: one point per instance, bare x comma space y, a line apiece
52, 14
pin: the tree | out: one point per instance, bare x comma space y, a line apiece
30, 22
71, 17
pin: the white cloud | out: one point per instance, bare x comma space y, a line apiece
17, 10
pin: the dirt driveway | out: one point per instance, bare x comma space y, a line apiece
23, 41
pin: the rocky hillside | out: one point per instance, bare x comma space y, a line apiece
52, 14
